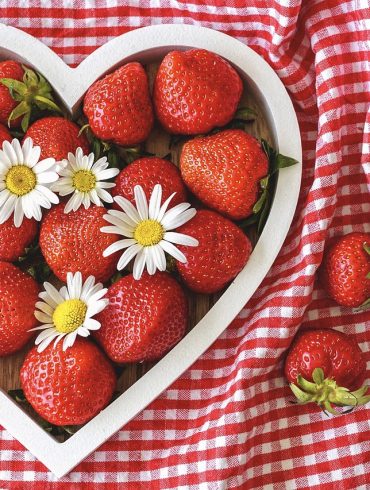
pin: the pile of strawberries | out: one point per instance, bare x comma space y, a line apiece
123, 242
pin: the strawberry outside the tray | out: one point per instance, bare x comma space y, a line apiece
345, 271
326, 367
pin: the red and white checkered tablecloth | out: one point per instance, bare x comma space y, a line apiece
228, 422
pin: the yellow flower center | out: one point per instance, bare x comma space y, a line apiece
148, 232
84, 180
69, 315
20, 180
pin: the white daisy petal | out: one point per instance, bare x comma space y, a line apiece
92, 324
53, 198
173, 251
119, 245
128, 255
10, 152
26, 148
95, 198
109, 173
47, 341
180, 239
33, 156
141, 202
18, 213
8, 208
53, 293
159, 257
164, 207
44, 335
180, 220
121, 216
104, 195
48, 299
84, 332
127, 229
42, 327
105, 185
155, 202
128, 208
4, 194
18, 151
139, 264
47, 177
44, 307
88, 284
44, 165
42, 317
173, 213
150, 264
116, 230
96, 308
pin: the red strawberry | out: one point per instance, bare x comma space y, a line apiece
148, 172
222, 252
14, 240
118, 106
18, 295
345, 270
21, 89
68, 387
4, 135
73, 242
195, 91
224, 171
57, 137
322, 366
9, 69
144, 319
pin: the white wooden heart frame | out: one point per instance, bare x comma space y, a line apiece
145, 45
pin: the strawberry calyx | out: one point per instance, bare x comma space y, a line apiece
262, 206
325, 392
33, 91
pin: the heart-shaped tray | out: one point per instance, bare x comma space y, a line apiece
148, 45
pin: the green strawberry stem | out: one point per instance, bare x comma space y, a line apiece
276, 162
33, 91
326, 393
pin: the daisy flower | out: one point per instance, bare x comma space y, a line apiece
69, 312
84, 179
25, 181
147, 229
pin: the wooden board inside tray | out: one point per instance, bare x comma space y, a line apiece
199, 305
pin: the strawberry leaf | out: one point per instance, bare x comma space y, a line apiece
276, 160
366, 248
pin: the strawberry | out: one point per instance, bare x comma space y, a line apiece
345, 271
4, 135
73, 242
22, 89
144, 319
13, 241
56, 137
222, 252
18, 295
148, 172
322, 366
118, 107
9, 70
195, 91
68, 387
224, 171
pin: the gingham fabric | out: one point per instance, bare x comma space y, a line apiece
228, 422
